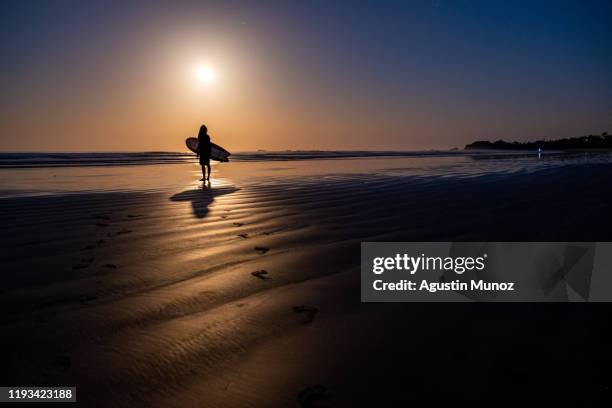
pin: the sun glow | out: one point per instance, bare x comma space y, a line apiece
204, 73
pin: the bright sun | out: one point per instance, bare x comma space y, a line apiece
205, 73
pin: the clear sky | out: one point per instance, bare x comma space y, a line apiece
142, 76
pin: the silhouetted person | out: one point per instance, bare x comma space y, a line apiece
204, 151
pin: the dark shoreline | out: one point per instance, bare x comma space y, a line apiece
68, 320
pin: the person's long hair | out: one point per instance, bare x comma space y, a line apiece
203, 131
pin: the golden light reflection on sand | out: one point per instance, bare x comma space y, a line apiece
246, 292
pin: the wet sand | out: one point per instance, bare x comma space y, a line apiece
246, 293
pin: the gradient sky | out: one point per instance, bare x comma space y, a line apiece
119, 76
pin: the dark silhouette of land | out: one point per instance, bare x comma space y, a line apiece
603, 141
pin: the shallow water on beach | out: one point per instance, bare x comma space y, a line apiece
123, 280
154, 176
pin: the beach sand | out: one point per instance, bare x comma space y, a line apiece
246, 293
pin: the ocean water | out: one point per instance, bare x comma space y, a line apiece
34, 160
35, 174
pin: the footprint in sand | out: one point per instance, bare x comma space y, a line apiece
261, 250
243, 235
63, 361
120, 232
308, 312
93, 246
238, 224
85, 262
56, 302
271, 232
261, 274
87, 299
315, 396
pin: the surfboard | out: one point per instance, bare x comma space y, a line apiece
216, 152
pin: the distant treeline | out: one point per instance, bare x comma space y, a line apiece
603, 141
